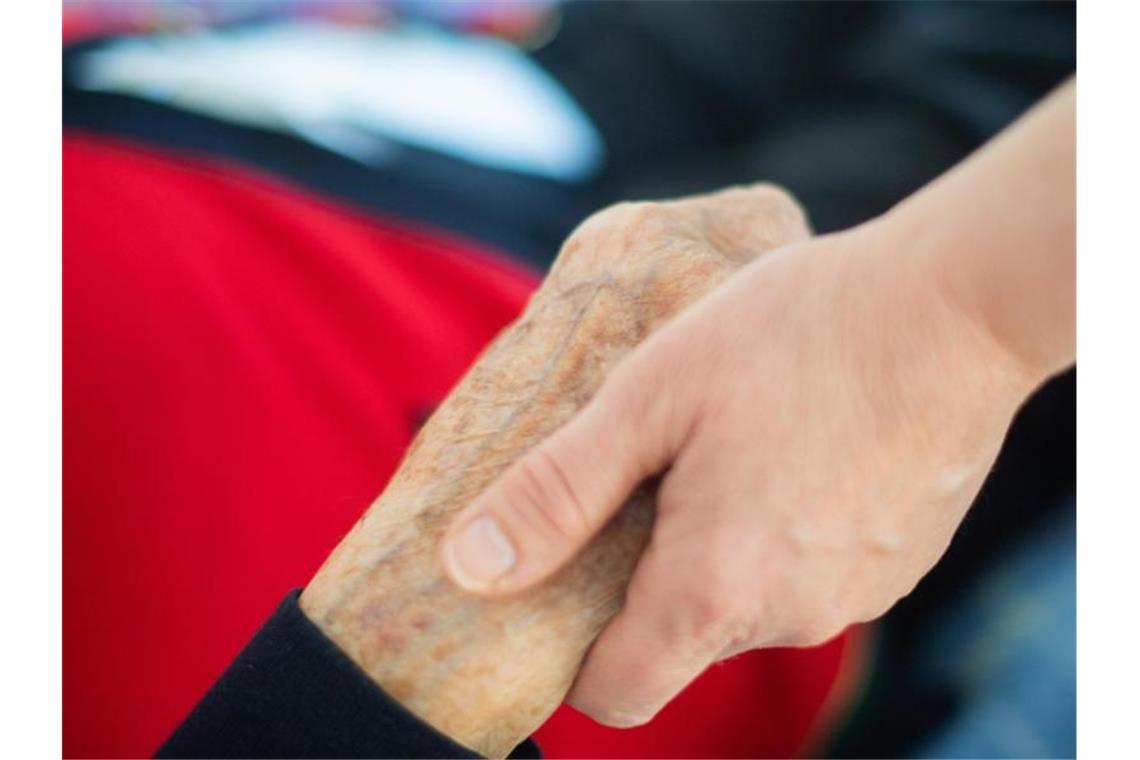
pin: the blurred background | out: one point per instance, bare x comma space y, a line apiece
290, 225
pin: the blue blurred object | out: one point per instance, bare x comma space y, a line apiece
1007, 651
359, 91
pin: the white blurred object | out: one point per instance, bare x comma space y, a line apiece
352, 90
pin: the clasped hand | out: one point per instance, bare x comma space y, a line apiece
822, 421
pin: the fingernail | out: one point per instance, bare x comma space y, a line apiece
624, 720
480, 553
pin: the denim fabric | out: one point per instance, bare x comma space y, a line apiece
1008, 653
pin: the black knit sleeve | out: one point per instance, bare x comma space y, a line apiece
292, 693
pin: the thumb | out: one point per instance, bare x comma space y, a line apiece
551, 501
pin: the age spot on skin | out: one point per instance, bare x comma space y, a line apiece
372, 613
391, 637
444, 650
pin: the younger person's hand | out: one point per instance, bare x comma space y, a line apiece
822, 422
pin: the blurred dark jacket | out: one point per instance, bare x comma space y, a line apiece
851, 106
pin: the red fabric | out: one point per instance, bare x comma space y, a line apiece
243, 366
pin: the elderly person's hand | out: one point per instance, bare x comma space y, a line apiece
822, 422
487, 672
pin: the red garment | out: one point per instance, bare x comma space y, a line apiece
243, 366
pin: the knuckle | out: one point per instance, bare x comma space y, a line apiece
636, 211
873, 609
817, 630
637, 228
714, 619
544, 494
781, 214
769, 192
650, 222
618, 215
774, 199
613, 233
869, 614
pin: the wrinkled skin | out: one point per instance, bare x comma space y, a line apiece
488, 671
821, 423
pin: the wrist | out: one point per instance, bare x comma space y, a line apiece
929, 358
996, 234
949, 287
479, 671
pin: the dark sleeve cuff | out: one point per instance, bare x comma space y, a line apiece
292, 693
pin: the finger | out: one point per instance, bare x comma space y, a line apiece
746, 221
550, 502
670, 630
